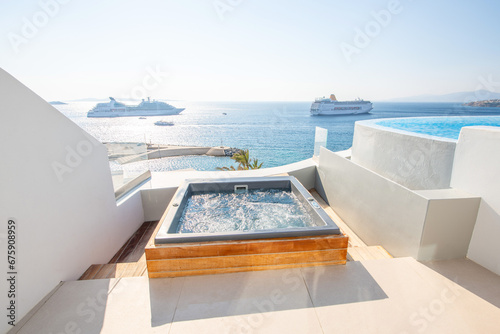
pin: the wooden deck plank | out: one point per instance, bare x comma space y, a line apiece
132, 244
140, 268
128, 244
129, 261
140, 246
151, 241
91, 272
240, 247
240, 269
123, 270
216, 262
107, 270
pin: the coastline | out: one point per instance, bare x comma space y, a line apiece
128, 152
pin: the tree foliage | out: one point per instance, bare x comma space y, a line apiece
244, 161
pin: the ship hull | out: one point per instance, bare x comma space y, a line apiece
340, 108
135, 112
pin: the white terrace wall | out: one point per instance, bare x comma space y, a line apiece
378, 210
427, 225
476, 169
55, 184
416, 162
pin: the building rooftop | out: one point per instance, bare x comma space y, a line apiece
419, 199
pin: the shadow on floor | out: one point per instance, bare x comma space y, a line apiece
261, 292
471, 276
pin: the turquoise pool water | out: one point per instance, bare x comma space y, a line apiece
446, 127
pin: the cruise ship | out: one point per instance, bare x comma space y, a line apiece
330, 106
146, 108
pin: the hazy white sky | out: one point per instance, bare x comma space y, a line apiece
250, 49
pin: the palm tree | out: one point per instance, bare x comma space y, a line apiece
244, 161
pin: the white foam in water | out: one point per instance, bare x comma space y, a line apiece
254, 210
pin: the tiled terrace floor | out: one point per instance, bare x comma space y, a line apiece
370, 296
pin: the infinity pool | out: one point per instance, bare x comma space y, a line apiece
446, 127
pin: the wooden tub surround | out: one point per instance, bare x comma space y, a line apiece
216, 257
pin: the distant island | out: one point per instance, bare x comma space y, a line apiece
495, 103
56, 102
460, 97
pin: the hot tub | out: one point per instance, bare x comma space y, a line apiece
310, 238
319, 224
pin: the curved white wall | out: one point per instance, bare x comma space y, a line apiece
414, 161
476, 170
56, 184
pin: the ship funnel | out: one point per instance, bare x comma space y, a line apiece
332, 97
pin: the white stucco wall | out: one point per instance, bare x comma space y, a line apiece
414, 161
427, 225
476, 170
449, 222
55, 183
378, 210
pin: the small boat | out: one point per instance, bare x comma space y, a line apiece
224, 113
331, 106
164, 123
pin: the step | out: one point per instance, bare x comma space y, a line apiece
115, 270
367, 253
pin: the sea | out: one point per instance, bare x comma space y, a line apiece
275, 133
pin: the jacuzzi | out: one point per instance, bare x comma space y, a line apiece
321, 223
172, 254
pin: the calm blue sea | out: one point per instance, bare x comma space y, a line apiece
276, 133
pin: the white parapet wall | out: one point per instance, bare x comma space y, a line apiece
476, 170
56, 188
415, 161
426, 225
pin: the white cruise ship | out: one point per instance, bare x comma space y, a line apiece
146, 108
330, 106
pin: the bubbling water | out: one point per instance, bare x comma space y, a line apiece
260, 209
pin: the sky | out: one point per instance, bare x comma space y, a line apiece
250, 50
